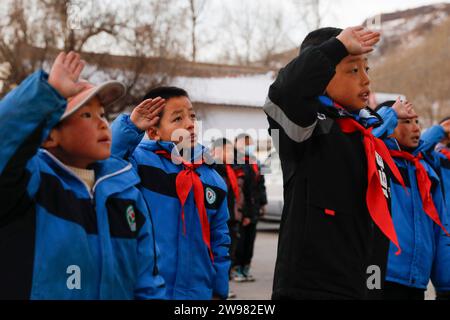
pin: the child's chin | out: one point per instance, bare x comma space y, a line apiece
102, 156
356, 107
187, 144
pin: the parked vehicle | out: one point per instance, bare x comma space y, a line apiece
273, 177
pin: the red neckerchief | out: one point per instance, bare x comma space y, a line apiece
255, 167
232, 178
375, 199
423, 183
446, 153
185, 181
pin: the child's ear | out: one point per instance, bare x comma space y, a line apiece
152, 133
51, 141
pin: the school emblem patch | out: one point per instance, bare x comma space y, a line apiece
210, 195
131, 218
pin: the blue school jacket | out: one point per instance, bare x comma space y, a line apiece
441, 164
418, 235
185, 263
59, 240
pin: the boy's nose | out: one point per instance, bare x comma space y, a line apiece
190, 124
365, 79
103, 123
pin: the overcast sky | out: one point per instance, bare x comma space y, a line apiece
337, 13
350, 12
342, 13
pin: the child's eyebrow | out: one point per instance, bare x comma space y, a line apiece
177, 112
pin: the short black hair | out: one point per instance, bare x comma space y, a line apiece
388, 103
242, 136
445, 119
221, 142
165, 93
319, 36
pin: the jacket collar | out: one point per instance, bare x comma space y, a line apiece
440, 146
393, 144
196, 153
105, 169
366, 116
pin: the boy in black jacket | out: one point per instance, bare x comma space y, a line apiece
223, 153
255, 203
336, 219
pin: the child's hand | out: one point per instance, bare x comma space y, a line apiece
358, 40
246, 221
262, 211
404, 109
446, 126
146, 114
65, 73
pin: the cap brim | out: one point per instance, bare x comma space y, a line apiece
108, 93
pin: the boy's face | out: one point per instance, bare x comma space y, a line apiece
83, 138
242, 143
407, 132
224, 154
350, 85
177, 123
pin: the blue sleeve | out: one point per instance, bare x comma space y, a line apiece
125, 137
431, 137
32, 106
27, 114
220, 246
150, 284
390, 121
441, 267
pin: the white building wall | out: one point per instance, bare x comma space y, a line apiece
228, 121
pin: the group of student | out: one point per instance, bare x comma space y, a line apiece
366, 194
247, 199
90, 211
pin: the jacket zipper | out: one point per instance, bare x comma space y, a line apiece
91, 193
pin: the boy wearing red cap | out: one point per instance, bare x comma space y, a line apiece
72, 224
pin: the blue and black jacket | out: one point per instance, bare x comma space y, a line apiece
185, 262
431, 138
441, 164
58, 239
419, 237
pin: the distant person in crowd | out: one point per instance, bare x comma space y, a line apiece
223, 153
254, 204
